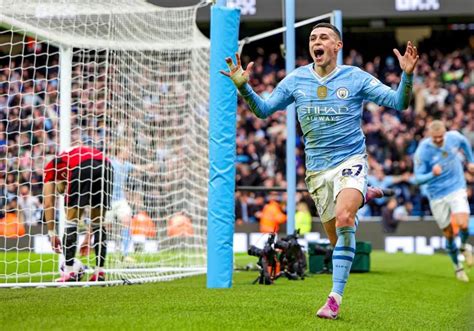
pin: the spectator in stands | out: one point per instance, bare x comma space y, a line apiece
389, 223
241, 208
269, 160
3, 197
378, 179
403, 211
247, 177
468, 130
29, 206
11, 225
248, 207
433, 94
303, 218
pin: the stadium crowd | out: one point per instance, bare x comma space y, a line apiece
444, 89
29, 123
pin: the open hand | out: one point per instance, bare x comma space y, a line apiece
409, 59
85, 248
236, 73
56, 244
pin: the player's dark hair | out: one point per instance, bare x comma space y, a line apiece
329, 26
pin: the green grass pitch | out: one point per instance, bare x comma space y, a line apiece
402, 292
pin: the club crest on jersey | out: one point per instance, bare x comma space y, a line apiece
342, 93
322, 92
445, 154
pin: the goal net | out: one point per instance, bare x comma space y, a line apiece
130, 79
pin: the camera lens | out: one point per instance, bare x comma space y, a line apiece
282, 244
254, 251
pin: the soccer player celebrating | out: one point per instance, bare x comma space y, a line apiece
84, 175
329, 101
438, 164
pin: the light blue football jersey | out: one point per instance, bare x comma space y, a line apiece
329, 109
449, 158
121, 172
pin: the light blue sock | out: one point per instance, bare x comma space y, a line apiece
464, 235
342, 258
452, 250
126, 241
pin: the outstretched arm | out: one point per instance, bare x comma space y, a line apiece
423, 173
421, 177
49, 193
278, 100
384, 95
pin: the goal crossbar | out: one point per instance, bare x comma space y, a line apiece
248, 40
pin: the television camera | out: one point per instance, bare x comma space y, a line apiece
285, 257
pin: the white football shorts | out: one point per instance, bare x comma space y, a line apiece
453, 203
120, 211
325, 185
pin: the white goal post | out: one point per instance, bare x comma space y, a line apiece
132, 80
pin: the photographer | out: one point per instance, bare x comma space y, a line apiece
267, 261
292, 257
284, 257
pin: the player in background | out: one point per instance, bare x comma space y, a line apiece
438, 164
329, 101
84, 175
120, 212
